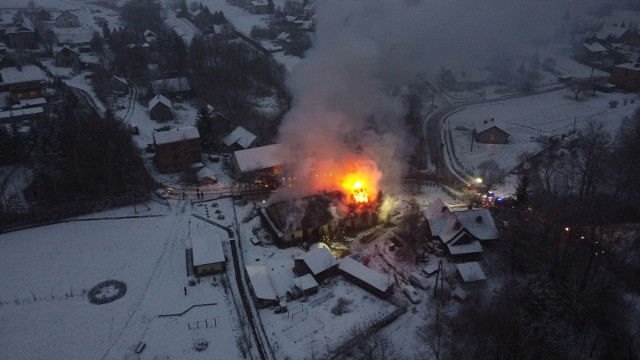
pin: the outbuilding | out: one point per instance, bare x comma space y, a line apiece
488, 132
261, 288
208, 255
366, 278
160, 108
319, 262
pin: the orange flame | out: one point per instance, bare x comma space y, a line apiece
355, 186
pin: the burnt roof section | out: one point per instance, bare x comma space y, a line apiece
304, 213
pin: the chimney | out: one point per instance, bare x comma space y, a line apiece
479, 219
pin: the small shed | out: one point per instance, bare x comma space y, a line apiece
319, 262
471, 272
488, 132
206, 176
306, 284
208, 255
160, 108
368, 279
267, 159
119, 84
261, 288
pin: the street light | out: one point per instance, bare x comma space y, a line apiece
478, 181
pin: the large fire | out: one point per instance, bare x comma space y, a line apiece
355, 189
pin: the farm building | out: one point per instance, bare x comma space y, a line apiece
178, 86
208, 256
261, 288
488, 132
176, 149
368, 279
21, 36
319, 262
470, 272
626, 76
466, 79
239, 139
160, 108
264, 159
118, 84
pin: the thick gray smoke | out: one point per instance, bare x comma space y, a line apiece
347, 115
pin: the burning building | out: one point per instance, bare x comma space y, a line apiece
309, 218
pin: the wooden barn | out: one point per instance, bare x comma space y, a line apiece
626, 76
261, 289
366, 278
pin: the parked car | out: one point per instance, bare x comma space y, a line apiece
162, 194
419, 281
411, 293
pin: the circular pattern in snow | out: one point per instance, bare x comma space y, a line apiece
200, 345
107, 291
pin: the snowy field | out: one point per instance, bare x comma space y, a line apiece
47, 272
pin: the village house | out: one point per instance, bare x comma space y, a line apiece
462, 232
261, 289
264, 160
470, 272
21, 36
366, 278
319, 262
160, 108
610, 34
595, 54
67, 20
207, 254
118, 84
25, 82
6, 62
305, 285
626, 76
67, 57
239, 139
206, 176
176, 149
466, 79
259, 7
488, 132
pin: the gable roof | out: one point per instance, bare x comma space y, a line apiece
177, 84
479, 223
260, 283
318, 260
67, 48
305, 282
369, 276
206, 246
149, 33
171, 136
27, 73
241, 136
594, 47
471, 271
67, 13
258, 158
159, 99
482, 125
120, 79
609, 31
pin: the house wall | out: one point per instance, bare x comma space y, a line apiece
626, 78
300, 268
491, 136
67, 58
22, 40
160, 112
209, 269
177, 156
323, 275
26, 90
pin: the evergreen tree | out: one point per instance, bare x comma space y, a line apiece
522, 190
204, 125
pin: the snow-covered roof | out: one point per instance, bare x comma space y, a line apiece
369, 276
318, 260
177, 84
305, 282
479, 223
473, 247
27, 73
610, 31
481, 125
171, 136
207, 248
258, 158
471, 271
30, 102
159, 99
74, 36
595, 47
260, 283
65, 47
436, 210
148, 33
240, 136
206, 173
629, 66
20, 112
283, 36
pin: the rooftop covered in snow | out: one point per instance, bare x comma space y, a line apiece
175, 135
259, 158
207, 247
260, 283
318, 260
26, 73
471, 272
241, 136
369, 276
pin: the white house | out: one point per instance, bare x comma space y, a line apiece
208, 255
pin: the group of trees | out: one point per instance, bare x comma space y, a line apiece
569, 251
